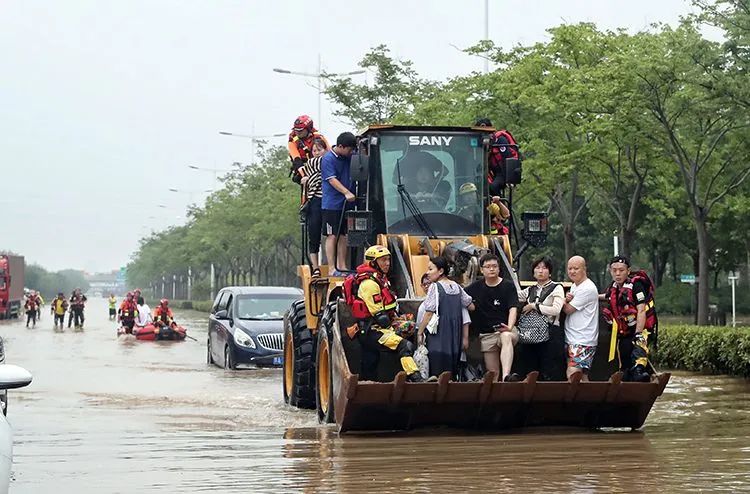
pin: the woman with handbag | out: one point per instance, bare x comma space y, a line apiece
442, 327
539, 323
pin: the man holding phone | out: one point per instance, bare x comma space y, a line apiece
495, 315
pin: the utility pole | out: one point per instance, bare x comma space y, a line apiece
486, 34
733, 277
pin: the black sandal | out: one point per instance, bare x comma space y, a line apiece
316, 273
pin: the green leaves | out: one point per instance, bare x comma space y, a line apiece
717, 350
253, 217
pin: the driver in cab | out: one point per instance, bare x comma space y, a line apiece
424, 179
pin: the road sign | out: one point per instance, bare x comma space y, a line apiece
687, 278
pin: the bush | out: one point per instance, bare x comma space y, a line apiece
202, 305
717, 350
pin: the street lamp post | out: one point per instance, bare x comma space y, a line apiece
190, 193
253, 137
215, 172
733, 277
486, 33
319, 77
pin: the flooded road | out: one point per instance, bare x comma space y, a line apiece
111, 416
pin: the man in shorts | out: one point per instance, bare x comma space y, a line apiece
495, 302
582, 324
337, 195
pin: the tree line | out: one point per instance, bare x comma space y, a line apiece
643, 136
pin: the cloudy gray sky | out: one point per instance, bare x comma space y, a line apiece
103, 104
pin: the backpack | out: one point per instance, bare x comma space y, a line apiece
505, 143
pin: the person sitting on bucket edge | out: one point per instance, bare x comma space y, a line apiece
633, 317
163, 314
375, 308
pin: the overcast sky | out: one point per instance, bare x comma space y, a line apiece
103, 104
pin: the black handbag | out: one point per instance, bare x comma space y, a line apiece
533, 327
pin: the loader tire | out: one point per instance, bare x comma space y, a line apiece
299, 371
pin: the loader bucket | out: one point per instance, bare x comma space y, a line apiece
368, 405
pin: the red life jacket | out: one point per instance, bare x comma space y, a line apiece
163, 314
127, 309
504, 146
351, 289
624, 307
305, 145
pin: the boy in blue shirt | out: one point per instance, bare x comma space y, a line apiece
334, 170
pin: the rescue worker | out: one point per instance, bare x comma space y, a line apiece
128, 312
163, 314
468, 202
30, 306
58, 308
300, 145
499, 215
503, 147
39, 305
633, 317
376, 310
77, 303
112, 306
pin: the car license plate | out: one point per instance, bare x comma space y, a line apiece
278, 360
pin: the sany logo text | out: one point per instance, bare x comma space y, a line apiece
430, 140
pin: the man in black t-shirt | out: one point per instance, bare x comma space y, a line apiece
495, 316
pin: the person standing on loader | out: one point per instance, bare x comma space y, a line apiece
375, 309
633, 317
301, 140
337, 196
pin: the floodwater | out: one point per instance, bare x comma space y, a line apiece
111, 416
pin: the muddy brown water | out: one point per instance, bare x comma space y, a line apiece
110, 416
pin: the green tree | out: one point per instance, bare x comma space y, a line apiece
393, 93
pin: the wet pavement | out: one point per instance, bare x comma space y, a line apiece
111, 416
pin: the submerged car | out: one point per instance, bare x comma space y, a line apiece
246, 326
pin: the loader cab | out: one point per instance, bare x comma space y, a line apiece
413, 179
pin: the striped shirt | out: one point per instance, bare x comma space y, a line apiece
314, 186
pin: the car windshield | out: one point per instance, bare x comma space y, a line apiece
263, 306
443, 174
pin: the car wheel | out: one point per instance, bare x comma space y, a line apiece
209, 357
228, 360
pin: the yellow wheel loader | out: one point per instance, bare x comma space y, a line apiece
410, 184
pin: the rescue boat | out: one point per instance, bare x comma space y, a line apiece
151, 332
